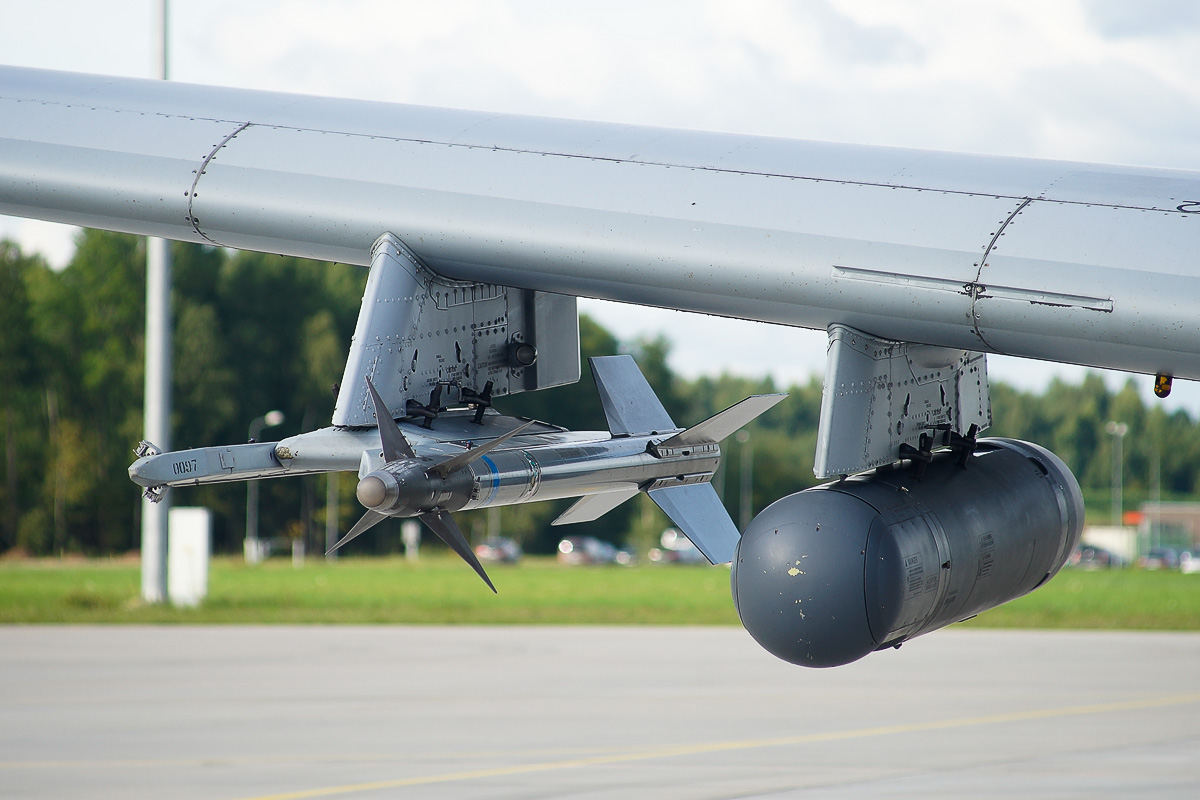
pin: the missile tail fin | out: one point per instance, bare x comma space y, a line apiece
594, 506
720, 425
697, 511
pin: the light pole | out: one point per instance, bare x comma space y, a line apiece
157, 380
250, 546
745, 502
1117, 430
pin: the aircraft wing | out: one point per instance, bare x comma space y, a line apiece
481, 229
1068, 262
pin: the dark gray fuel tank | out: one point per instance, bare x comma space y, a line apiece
825, 576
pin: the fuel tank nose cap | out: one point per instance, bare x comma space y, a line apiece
797, 579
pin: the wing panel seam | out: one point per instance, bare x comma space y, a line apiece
199, 172
975, 289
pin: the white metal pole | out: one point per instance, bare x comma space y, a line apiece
157, 390
251, 546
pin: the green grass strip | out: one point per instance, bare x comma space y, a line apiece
440, 590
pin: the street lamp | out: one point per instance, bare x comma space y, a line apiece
250, 547
1117, 430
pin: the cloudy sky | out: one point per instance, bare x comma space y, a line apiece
1110, 81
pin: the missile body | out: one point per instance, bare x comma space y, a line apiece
472, 459
547, 464
524, 474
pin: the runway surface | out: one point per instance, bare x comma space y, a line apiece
545, 712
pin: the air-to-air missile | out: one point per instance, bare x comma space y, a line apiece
409, 470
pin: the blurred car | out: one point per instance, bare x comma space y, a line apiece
1088, 556
585, 550
676, 549
1160, 558
499, 549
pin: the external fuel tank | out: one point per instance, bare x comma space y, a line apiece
825, 576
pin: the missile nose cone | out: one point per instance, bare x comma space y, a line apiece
372, 492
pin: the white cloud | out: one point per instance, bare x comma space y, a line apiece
54, 242
1120, 19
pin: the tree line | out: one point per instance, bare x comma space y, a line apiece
255, 333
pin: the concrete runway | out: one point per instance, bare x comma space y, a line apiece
545, 712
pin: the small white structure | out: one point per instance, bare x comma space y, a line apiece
1121, 541
410, 534
188, 549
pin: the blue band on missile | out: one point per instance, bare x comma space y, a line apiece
491, 465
